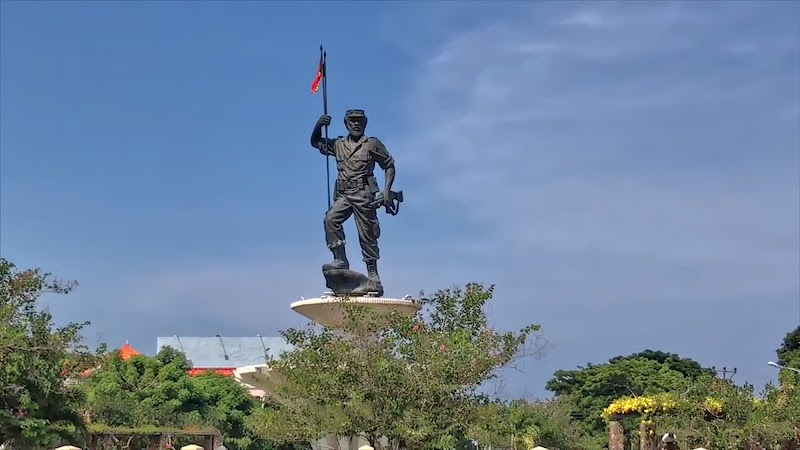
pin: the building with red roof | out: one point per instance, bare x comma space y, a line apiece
223, 355
126, 352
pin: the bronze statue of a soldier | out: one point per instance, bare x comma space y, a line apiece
356, 192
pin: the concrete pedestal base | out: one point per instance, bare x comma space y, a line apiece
329, 310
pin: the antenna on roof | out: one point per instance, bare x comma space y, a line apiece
224, 352
267, 357
179, 343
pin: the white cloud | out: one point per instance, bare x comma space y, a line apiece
647, 140
628, 162
589, 19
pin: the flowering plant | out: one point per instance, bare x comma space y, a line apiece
655, 405
644, 405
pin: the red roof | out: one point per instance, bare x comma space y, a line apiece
127, 352
224, 371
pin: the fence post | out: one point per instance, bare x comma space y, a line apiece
616, 435
647, 435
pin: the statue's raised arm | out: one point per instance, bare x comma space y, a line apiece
324, 145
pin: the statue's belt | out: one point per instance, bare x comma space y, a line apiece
355, 183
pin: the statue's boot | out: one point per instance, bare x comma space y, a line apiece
339, 259
372, 274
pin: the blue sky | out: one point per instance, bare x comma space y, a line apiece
628, 174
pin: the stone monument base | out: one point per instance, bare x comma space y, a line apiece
329, 310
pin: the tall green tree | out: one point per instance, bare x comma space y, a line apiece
592, 387
36, 360
690, 368
415, 380
789, 356
522, 425
769, 420
143, 391
146, 391
789, 351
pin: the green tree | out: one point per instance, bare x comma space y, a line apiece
595, 386
522, 425
36, 360
227, 406
143, 391
146, 391
746, 420
415, 380
769, 420
789, 351
789, 356
690, 368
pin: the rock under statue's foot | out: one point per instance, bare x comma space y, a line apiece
350, 282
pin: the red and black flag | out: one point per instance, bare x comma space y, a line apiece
322, 80
320, 73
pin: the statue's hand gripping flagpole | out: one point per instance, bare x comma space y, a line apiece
322, 79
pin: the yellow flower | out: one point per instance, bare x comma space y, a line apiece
714, 406
644, 405
648, 406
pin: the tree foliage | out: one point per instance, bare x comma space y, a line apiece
593, 387
522, 425
157, 391
690, 368
36, 358
415, 380
769, 419
718, 414
420, 381
789, 351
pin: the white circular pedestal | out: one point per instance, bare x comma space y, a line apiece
329, 310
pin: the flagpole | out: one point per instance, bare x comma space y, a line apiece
324, 57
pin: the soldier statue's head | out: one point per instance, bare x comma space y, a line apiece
356, 122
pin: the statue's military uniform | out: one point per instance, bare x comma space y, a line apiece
354, 192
